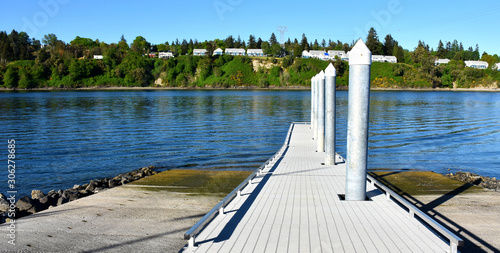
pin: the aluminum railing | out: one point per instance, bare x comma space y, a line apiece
219, 208
413, 211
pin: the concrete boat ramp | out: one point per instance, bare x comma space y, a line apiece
292, 204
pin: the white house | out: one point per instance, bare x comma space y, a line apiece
384, 58
199, 52
235, 51
255, 52
218, 51
391, 59
498, 66
476, 64
306, 54
165, 55
333, 53
98, 57
318, 54
378, 58
441, 61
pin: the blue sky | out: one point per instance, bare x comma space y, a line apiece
408, 21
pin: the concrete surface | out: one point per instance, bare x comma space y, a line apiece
122, 219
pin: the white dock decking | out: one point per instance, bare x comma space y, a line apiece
295, 207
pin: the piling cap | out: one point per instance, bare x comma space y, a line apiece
321, 75
330, 70
360, 54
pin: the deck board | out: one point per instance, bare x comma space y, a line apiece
295, 207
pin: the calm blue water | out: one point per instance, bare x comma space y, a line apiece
67, 138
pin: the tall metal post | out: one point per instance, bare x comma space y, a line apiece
360, 60
321, 111
315, 126
313, 96
330, 92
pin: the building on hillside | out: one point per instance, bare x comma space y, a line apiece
391, 59
165, 55
306, 54
235, 51
441, 61
218, 51
498, 66
384, 58
98, 57
255, 52
476, 64
319, 54
199, 52
333, 53
378, 58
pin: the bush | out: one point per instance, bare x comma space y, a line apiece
287, 61
447, 81
10, 77
398, 69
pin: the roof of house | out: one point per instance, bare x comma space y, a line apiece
317, 52
442, 60
235, 50
255, 51
336, 52
199, 50
476, 63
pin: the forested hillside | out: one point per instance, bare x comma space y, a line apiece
27, 63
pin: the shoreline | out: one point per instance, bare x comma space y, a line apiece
39, 201
289, 88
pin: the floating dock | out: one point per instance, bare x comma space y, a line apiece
294, 204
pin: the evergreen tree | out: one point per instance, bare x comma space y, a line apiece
273, 40
441, 51
373, 43
315, 45
229, 41
259, 43
398, 52
389, 45
303, 43
252, 44
5, 48
476, 53
122, 44
323, 43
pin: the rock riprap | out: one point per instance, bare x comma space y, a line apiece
40, 201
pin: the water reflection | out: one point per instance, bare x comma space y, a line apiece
72, 137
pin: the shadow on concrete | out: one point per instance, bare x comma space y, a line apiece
428, 208
142, 239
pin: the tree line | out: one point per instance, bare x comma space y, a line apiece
29, 63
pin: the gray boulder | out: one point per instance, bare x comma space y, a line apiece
4, 203
37, 194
